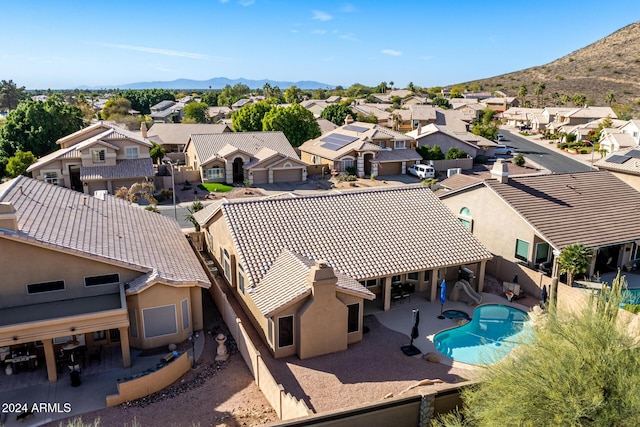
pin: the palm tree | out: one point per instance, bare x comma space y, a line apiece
574, 259
195, 207
137, 190
610, 98
522, 92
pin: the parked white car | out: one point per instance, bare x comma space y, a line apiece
503, 150
422, 171
501, 137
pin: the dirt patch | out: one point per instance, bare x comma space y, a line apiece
213, 394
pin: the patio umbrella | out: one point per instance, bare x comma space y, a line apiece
544, 295
443, 297
411, 350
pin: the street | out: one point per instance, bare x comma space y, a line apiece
547, 158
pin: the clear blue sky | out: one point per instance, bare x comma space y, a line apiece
66, 44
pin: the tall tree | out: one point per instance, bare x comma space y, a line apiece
295, 121
579, 369
115, 108
249, 118
142, 100
156, 152
336, 113
522, 92
579, 99
540, 93
10, 94
36, 126
18, 164
574, 259
196, 112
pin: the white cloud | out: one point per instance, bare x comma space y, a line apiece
391, 52
246, 2
349, 36
319, 15
164, 51
318, 32
348, 7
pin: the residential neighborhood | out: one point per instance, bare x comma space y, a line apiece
256, 252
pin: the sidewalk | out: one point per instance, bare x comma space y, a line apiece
98, 381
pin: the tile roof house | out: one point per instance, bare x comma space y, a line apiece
173, 137
123, 282
269, 249
624, 164
167, 112
260, 157
517, 116
371, 149
530, 219
102, 156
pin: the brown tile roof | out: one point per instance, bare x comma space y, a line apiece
108, 230
458, 180
209, 146
592, 208
363, 234
286, 282
126, 168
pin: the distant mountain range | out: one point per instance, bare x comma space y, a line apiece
214, 83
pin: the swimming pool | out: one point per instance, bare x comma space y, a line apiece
490, 335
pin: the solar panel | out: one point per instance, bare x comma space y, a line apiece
618, 159
355, 128
336, 141
634, 153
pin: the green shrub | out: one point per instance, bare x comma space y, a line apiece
585, 151
372, 177
633, 308
518, 159
571, 137
351, 171
480, 159
562, 145
346, 177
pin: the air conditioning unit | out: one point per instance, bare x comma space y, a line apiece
453, 171
100, 194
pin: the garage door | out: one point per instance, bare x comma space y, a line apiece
287, 175
260, 177
389, 169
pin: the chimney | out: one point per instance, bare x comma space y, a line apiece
143, 129
348, 119
8, 217
322, 280
500, 171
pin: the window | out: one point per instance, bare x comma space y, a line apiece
241, 278
416, 123
98, 156
227, 266
105, 279
369, 283
159, 321
285, 331
542, 252
465, 218
522, 250
400, 144
132, 152
51, 178
347, 163
184, 307
101, 336
215, 173
396, 279
38, 288
353, 323
413, 276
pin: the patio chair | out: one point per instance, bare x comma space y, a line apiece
95, 354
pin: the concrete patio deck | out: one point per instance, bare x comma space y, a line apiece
400, 317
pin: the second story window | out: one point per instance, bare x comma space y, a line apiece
132, 152
98, 156
51, 178
400, 144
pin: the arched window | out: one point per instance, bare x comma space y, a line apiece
465, 218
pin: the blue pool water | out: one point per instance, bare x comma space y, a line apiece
491, 334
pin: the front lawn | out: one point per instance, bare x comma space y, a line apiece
215, 187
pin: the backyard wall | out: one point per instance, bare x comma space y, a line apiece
443, 165
530, 281
150, 383
286, 406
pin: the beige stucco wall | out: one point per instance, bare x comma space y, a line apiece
445, 142
22, 264
495, 224
160, 295
631, 180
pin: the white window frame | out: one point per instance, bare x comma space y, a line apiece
348, 163
99, 156
226, 265
133, 148
399, 144
240, 278
53, 179
219, 173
